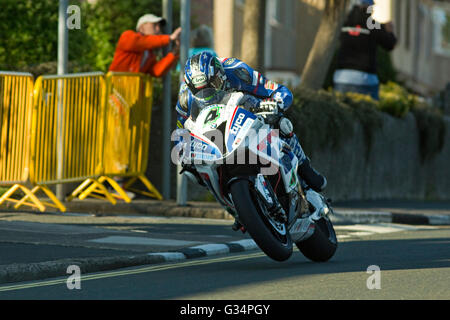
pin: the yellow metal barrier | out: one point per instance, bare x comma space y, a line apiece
75, 128
16, 101
67, 129
16, 94
126, 136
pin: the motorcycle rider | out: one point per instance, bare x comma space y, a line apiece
205, 73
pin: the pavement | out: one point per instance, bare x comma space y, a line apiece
97, 236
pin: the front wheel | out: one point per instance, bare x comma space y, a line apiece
322, 245
272, 240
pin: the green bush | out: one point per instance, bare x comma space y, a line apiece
29, 32
107, 19
431, 130
395, 100
326, 118
319, 119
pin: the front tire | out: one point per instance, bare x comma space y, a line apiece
268, 239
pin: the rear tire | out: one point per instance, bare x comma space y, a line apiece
322, 245
273, 244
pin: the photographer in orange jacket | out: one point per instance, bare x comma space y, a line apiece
135, 51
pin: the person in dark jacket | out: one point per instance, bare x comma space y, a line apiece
357, 57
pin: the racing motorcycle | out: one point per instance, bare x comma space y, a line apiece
240, 157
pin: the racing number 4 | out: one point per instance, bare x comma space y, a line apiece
212, 116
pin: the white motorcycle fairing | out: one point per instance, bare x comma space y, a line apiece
221, 133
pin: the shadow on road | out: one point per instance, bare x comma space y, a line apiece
228, 274
354, 256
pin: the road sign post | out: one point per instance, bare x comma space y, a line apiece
63, 50
167, 108
184, 49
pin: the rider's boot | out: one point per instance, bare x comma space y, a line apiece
313, 179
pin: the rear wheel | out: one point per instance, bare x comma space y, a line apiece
322, 245
271, 236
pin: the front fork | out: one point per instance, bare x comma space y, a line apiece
304, 226
299, 228
268, 197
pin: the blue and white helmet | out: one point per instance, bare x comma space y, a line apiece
204, 71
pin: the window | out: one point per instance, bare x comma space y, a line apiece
273, 13
441, 34
282, 13
276, 13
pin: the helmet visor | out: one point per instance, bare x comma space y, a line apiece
209, 96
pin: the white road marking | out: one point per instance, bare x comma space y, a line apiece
359, 230
381, 227
139, 231
370, 229
361, 233
341, 237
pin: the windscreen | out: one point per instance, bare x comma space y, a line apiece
207, 97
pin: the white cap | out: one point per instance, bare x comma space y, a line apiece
149, 18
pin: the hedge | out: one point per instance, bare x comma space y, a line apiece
325, 118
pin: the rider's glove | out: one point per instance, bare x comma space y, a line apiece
268, 105
280, 102
273, 105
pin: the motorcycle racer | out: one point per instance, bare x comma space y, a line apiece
205, 74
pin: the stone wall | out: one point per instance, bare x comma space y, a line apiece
442, 100
392, 169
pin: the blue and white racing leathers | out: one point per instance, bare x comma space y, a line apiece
241, 77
